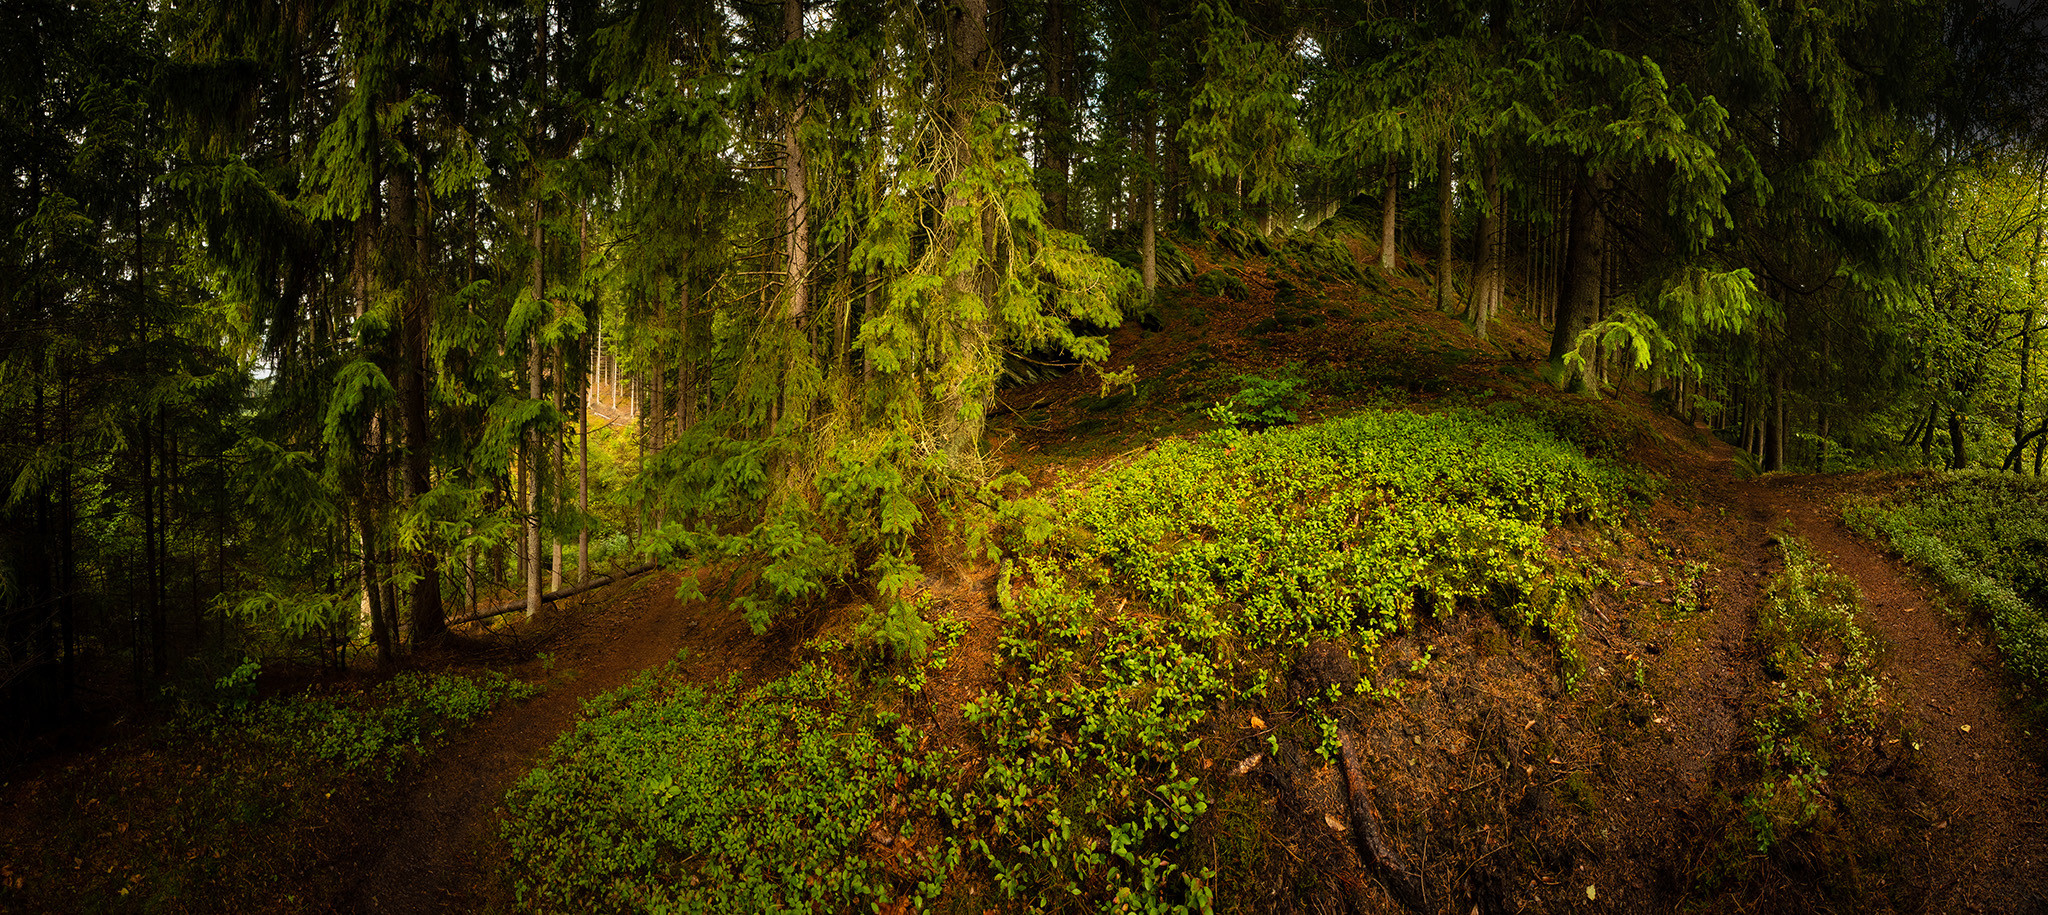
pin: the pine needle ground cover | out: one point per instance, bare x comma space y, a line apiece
1177, 588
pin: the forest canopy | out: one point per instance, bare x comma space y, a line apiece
330, 322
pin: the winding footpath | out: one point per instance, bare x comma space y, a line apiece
1986, 842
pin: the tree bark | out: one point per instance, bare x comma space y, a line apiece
530, 488
1148, 193
560, 449
1579, 296
1959, 454
583, 461
1774, 424
1055, 135
427, 618
1486, 269
1390, 201
796, 213
152, 537
1446, 223
967, 86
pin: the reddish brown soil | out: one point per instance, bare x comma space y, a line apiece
1985, 845
1502, 790
1506, 793
442, 854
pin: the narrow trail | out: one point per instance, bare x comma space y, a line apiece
1977, 832
1708, 669
1986, 841
436, 847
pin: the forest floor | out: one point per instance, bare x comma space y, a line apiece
444, 853
1961, 819
1504, 790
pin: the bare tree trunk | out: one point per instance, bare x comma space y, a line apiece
1147, 193
1390, 201
427, 618
796, 212
535, 460
2019, 411
1580, 280
1486, 270
560, 449
1774, 429
1055, 133
583, 463
1446, 223
1959, 452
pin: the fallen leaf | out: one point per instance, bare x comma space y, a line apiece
1336, 825
1966, 729
1258, 722
1592, 893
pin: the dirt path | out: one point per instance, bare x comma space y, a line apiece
1706, 669
1974, 837
1980, 843
1986, 841
436, 848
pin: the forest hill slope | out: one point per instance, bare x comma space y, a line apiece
1647, 785
1642, 789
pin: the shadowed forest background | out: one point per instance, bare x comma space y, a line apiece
343, 338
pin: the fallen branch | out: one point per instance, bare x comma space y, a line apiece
1365, 824
552, 596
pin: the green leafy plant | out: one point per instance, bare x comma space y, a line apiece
669, 797
1823, 668
899, 629
1262, 403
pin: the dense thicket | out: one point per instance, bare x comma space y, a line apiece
312, 306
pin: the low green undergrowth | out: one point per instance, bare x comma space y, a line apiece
1135, 611
1091, 782
1984, 536
219, 810
1182, 582
1822, 698
1349, 526
673, 798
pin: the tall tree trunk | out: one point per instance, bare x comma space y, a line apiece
1959, 452
67, 550
1147, 191
968, 369
560, 449
1446, 224
1486, 269
428, 619
152, 569
1390, 201
1055, 133
583, 430
1774, 428
1578, 301
535, 447
796, 212
2019, 411
373, 594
